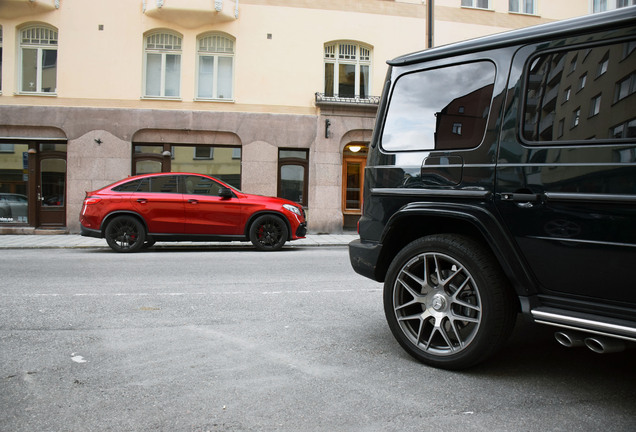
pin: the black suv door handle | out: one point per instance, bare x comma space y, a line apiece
525, 197
522, 200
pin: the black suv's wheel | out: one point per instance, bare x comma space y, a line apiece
447, 301
268, 233
125, 234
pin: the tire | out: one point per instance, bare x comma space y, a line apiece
125, 234
149, 243
447, 301
268, 233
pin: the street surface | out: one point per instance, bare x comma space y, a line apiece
230, 339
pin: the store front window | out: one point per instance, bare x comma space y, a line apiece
14, 168
221, 162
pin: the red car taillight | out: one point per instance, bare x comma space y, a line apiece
91, 200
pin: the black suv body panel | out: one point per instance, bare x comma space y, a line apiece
535, 160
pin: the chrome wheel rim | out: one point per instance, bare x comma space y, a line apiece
437, 304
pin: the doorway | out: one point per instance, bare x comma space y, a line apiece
50, 185
353, 165
33, 183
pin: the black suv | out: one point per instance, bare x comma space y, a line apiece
501, 177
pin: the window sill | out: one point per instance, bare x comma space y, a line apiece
478, 8
214, 100
172, 99
35, 94
525, 14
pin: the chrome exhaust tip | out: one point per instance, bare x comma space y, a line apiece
570, 339
602, 345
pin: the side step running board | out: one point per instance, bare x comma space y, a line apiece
620, 329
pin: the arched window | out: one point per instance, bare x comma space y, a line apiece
162, 63
215, 65
293, 174
38, 60
347, 70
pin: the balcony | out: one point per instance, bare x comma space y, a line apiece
371, 101
10, 9
192, 13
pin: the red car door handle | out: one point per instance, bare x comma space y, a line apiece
193, 201
142, 200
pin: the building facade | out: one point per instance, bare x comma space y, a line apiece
275, 97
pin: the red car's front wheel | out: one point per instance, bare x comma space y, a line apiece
268, 233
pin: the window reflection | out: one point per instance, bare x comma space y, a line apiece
424, 115
605, 102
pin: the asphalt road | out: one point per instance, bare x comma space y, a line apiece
236, 340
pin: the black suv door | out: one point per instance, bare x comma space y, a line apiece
566, 172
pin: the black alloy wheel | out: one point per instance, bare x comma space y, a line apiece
268, 233
125, 234
447, 301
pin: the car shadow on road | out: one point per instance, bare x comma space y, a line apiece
532, 351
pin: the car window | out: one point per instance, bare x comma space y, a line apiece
128, 187
583, 94
444, 108
164, 184
196, 185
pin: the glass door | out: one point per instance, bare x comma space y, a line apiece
353, 165
51, 191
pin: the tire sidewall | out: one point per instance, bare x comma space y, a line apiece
489, 285
258, 222
140, 239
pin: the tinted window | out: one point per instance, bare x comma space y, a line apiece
196, 185
164, 184
128, 187
445, 108
591, 92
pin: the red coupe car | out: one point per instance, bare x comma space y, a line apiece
138, 211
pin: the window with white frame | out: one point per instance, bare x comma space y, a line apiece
162, 62
595, 105
523, 6
347, 70
215, 67
479, 4
38, 60
605, 5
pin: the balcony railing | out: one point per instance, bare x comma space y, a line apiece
370, 101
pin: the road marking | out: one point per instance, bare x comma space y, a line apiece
177, 294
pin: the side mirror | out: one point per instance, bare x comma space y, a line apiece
226, 193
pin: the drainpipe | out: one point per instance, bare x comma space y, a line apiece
430, 19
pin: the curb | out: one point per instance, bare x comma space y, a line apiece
70, 241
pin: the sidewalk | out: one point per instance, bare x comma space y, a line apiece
18, 241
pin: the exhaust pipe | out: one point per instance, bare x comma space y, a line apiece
602, 345
570, 339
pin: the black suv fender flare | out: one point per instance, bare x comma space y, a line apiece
471, 220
